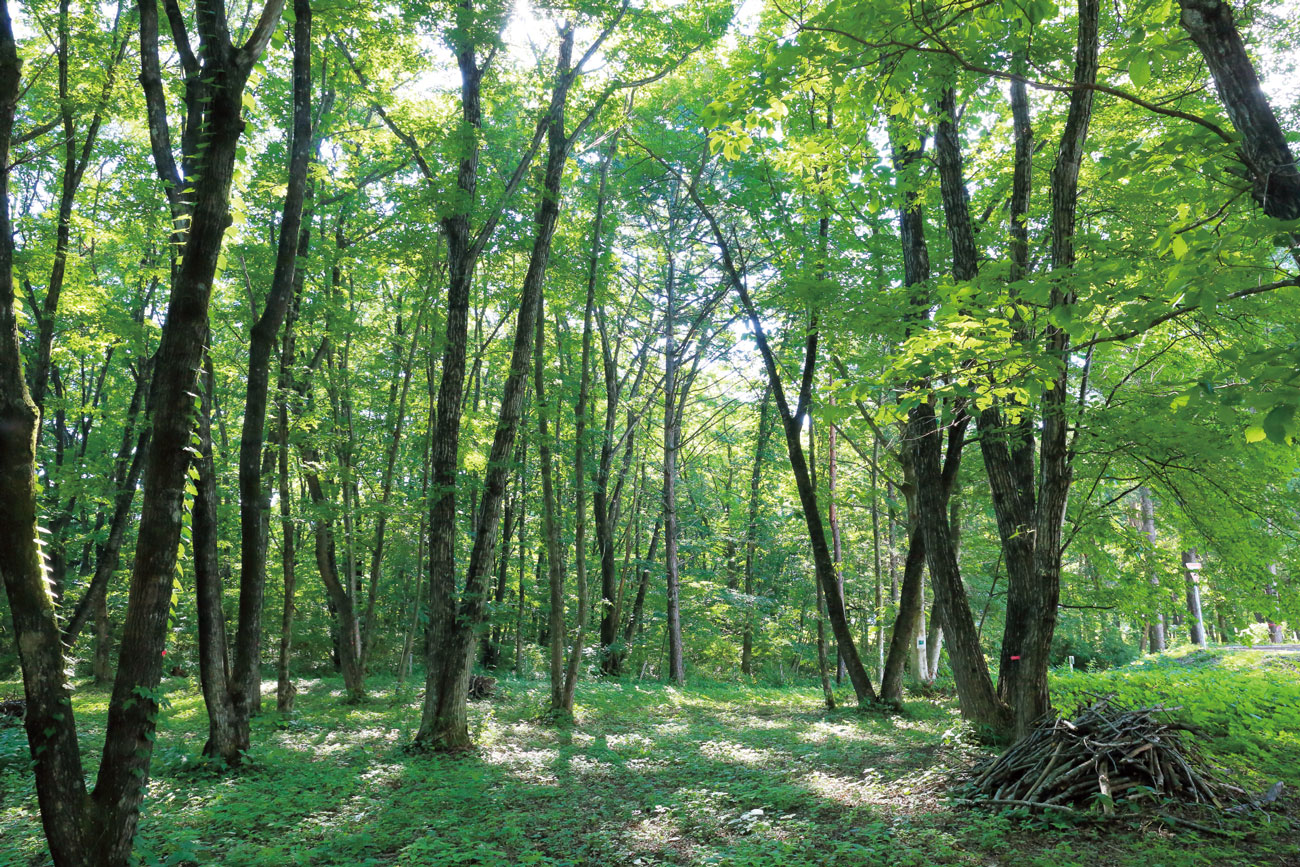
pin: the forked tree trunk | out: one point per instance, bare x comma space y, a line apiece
455, 624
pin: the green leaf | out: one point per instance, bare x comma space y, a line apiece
1178, 246
1255, 434
1277, 422
1139, 71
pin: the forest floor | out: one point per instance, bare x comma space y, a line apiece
712, 774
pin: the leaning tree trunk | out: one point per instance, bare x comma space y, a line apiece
51, 728
1264, 149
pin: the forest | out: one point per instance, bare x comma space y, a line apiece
778, 432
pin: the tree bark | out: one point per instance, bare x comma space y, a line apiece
1274, 174
214, 95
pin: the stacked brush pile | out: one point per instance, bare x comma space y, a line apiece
1106, 754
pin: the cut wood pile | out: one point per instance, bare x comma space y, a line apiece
481, 687
1106, 754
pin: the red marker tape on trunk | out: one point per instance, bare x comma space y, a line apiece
1015, 659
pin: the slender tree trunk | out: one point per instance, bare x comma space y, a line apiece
228, 732
791, 422
254, 499
878, 601
636, 622
672, 438
550, 527
284, 687
751, 528
1156, 627
833, 518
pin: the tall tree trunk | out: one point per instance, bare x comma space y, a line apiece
50, 724
791, 423
228, 730
254, 499
214, 92
444, 717
284, 687
1031, 698
550, 527
672, 441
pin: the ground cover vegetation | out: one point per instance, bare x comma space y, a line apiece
715, 773
899, 346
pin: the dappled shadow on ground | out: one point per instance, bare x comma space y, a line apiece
648, 775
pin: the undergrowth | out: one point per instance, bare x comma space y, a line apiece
717, 773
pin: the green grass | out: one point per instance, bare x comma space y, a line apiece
714, 774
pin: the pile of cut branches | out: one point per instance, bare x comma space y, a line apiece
1106, 754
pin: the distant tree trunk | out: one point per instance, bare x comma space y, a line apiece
550, 526
672, 438
1197, 622
102, 666
398, 420
751, 528
636, 622
344, 604
1275, 632
126, 476
1157, 625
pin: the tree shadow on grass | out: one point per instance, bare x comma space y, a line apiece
663, 776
